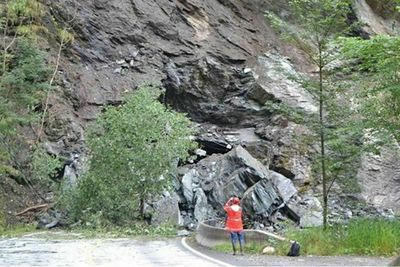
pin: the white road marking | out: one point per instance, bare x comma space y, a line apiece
198, 253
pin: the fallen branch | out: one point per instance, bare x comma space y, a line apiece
32, 208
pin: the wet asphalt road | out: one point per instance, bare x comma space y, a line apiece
38, 251
63, 249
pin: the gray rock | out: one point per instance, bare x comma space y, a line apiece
261, 199
234, 173
311, 218
272, 72
49, 220
379, 179
69, 178
52, 224
288, 156
182, 233
268, 250
200, 152
373, 22
307, 212
284, 185
72, 171
165, 210
202, 210
348, 214
188, 181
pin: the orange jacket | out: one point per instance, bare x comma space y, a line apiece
234, 220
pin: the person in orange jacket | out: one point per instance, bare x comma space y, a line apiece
234, 223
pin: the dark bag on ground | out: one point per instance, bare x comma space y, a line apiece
294, 250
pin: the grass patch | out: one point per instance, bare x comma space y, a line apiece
127, 231
17, 230
249, 248
135, 230
372, 237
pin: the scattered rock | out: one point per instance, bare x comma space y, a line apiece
268, 250
307, 212
182, 233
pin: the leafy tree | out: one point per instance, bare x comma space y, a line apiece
317, 24
378, 63
134, 148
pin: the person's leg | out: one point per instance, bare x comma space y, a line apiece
241, 241
234, 239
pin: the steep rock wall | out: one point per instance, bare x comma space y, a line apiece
217, 60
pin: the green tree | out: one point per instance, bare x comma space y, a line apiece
377, 64
316, 23
134, 148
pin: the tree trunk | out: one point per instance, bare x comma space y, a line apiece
322, 140
141, 207
46, 105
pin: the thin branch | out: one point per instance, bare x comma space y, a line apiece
46, 106
32, 208
330, 186
4, 39
305, 49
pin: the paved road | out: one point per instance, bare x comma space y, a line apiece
66, 250
39, 251
263, 260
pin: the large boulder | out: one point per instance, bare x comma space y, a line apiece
261, 199
164, 210
290, 155
210, 182
307, 212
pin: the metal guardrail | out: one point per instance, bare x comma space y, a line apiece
209, 235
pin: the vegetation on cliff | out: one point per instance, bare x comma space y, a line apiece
134, 149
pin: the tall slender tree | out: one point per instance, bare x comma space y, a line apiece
316, 23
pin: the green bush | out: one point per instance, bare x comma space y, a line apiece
134, 148
44, 166
17, 230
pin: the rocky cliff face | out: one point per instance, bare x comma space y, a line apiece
218, 61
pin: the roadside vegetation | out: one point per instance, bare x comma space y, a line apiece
16, 230
373, 237
366, 237
137, 230
249, 248
356, 85
134, 149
